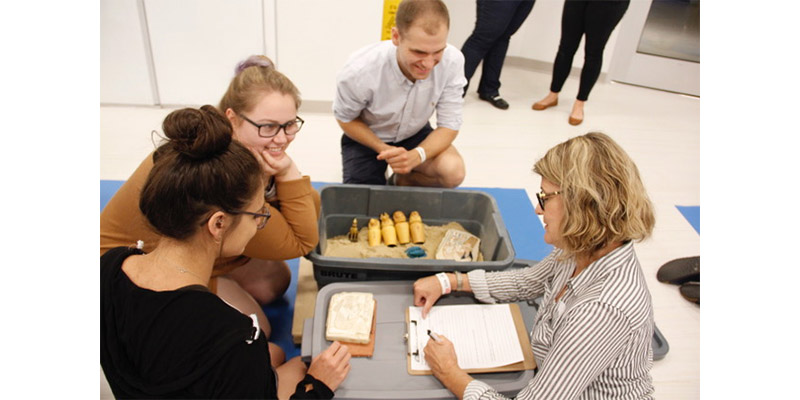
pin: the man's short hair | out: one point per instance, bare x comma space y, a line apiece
430, 13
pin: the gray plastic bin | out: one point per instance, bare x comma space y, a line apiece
385, 374
476, 211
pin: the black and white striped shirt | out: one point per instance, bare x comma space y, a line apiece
595, 342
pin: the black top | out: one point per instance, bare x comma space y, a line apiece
184, 343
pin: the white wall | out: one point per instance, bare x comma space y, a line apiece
196, 43
538, 37
124, 76
316, 37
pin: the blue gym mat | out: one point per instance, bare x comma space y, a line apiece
107, 190
524, 228
692, 214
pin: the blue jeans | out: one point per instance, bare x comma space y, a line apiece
496, 21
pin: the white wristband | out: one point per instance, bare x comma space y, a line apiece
421, 152
444, 282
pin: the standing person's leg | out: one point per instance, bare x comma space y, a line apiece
571, 33
360, 165
514, 14
601, 19
491, 19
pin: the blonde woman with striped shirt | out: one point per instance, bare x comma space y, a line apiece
592, 335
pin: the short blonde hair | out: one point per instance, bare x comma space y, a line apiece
255, 76
604, 197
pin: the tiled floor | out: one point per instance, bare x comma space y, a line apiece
660, 130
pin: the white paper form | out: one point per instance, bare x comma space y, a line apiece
483, 335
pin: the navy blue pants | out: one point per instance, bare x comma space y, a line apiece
359, 162
496, 21
595, 19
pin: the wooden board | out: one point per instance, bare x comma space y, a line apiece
305, 300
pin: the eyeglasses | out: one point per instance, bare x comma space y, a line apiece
271, 129
262, 216
542, 197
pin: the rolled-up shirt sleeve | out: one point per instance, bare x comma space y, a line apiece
350, 97
518, 284
449, 109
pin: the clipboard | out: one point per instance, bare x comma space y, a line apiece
527, 363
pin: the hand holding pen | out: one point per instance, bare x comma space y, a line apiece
441, 357
440, 354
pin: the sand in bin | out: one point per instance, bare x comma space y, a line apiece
341, 246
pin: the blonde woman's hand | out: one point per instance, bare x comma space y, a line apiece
331, 366
427, 291
441, 356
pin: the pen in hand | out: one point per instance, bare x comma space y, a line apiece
434, 336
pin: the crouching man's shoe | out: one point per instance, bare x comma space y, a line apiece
496, 101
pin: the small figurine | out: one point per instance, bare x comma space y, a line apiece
353, 235
416, 228
388, 231
401, 226
374, 232
416, 252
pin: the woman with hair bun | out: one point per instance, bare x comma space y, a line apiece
261, 105
162, 332
593, 332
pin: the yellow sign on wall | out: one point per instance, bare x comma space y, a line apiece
389, 10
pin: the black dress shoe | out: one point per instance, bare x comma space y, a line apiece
496, 101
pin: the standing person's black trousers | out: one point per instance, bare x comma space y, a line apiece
495, 22
596, 19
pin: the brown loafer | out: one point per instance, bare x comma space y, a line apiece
575, 121
542, 106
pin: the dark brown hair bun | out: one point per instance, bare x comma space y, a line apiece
198, 170
198, 134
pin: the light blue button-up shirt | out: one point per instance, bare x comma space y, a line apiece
372, 86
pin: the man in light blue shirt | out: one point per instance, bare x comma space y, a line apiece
386, 95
